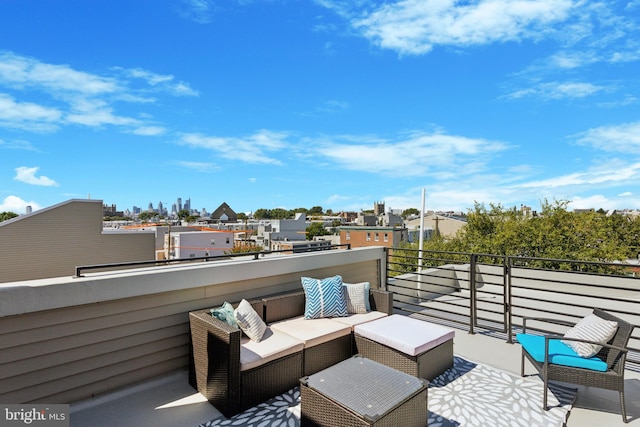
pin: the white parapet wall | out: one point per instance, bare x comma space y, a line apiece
65, 339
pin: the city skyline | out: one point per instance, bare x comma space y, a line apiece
322, 103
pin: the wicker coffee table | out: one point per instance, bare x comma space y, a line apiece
361, 392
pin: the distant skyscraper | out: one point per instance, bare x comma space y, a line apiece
29, 209
187, 204
150, 209
179, 203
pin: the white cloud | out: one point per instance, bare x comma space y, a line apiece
20, 71
333, 106
149, 131
164, 82
77, 97
16, 205
623, 138
418, 154
589, 202
199, 11
27, 115
28, 176
611, 173
250, 149
416, 26
198, 166
558, 90
17, 144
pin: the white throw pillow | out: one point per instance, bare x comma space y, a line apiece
249, 321
592, 328
356, 296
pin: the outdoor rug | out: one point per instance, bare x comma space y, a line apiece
468, 394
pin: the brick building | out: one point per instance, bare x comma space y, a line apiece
373, 236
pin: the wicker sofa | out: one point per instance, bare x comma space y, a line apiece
219, 350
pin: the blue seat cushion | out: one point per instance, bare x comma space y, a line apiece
559, 353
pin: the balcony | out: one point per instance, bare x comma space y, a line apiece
115, 344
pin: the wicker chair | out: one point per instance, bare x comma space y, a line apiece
614, 353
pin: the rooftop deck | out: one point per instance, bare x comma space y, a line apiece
115, 344
169, 401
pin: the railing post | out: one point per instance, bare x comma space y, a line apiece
507, 292
472, 293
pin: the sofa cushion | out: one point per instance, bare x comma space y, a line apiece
591, 328
356, 296
324, 297
357, 319
312, 332
273, 345
249, 321
559, 353
410, 336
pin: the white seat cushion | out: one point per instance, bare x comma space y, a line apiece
273, 345
357, 319
410, 336
312, 331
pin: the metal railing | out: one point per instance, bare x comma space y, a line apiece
255, 255
492, 293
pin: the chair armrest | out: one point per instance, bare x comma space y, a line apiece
216, 353
559, 337
381, 300
617, 366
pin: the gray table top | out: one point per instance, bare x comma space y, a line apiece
368, 388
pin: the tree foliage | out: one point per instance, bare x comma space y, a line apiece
7, 215
244, 249
555, 234
316, 229
408, 212
280, 213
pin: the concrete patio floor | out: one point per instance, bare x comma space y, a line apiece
169, 401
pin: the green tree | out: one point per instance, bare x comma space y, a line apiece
316, 210
316, 229
280, 213
145, 216
7, 215
244, 249
556, 234
408, 212
191, 218
262, 214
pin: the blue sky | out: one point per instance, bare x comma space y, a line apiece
332, 103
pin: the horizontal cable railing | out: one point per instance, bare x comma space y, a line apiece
493, 293
255, 255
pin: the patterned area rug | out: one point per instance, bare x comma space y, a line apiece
468, 394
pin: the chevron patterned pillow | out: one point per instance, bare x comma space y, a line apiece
324, 298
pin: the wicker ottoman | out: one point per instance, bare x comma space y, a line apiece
418, 348
361, 392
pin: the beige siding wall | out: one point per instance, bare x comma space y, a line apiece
52, 242
71, 340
